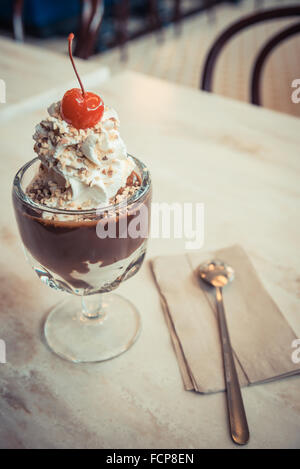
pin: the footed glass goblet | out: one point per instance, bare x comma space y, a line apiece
87, 253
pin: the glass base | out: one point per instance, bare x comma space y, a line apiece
85, 339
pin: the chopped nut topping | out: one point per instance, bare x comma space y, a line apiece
61, 149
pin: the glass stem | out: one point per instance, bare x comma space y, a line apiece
91, 307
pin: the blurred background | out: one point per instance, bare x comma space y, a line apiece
168, 39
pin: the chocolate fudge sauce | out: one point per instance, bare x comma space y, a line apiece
67, 246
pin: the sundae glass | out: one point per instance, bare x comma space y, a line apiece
83, 212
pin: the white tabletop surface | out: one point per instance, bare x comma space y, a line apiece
33, 75
243, 163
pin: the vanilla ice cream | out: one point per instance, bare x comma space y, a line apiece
80, 168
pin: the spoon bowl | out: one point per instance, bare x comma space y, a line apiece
216, 273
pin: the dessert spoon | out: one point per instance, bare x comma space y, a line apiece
218, 274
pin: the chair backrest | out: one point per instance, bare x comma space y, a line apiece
261, 60
244, 23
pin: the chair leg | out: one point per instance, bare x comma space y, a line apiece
155, 21
86, 9
177, 16
177, 11
122, 15
154, 16
95, 23
210, 11
18, 28
91, 18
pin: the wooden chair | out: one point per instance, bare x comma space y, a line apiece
246, 22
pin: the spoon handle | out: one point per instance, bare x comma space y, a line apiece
237, 416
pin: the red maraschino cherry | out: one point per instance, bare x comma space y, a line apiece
80, 108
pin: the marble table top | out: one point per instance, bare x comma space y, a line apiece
243, 163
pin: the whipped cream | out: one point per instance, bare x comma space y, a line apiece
87, 166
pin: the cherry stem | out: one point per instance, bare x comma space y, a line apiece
70, 39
